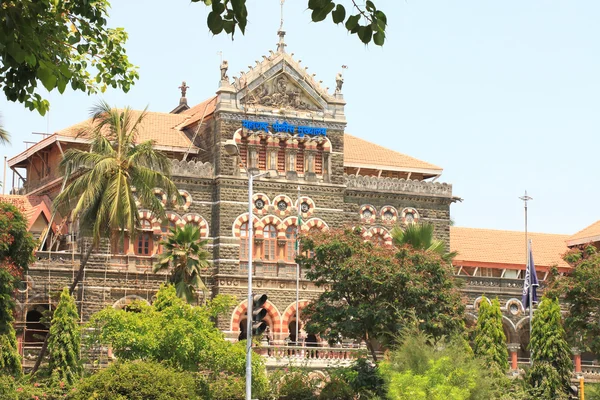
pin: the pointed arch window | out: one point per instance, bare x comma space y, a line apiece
270, 243
291, 234
244, 236
145, 243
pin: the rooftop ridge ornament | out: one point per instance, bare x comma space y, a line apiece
281, 33
184, 87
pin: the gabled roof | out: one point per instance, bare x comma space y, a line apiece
589, 234
361, 153
204, 109
505, 249
31, 207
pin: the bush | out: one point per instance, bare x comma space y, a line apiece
293, 385
8, 388
226, 387
137, 380
337, 389
365, 378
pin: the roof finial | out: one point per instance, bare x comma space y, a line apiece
281, 33
184, 89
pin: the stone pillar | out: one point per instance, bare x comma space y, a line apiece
290, 163
513, 349
272, 152
577, 359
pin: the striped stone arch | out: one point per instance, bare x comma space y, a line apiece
409, 215
315, 223
311, 206
326, 144
377, 230
125, 301
273, 220
171, 216
266, 202
195, 218
147, 214
289, 313
187, 198
237, 136
388, 215
273, 316
367, 213
282, 198
162, 194
237, 224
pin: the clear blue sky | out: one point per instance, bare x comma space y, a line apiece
504, 95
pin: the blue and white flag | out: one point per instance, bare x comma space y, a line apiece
531, 281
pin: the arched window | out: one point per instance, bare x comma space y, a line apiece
145, 244
290, 243
244, 241
270, 243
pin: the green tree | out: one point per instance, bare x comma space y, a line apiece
137, 380
176, 333
366, 21
579, 289
418, 370
10, 360
372, 290
184, 253
550, 375
65, 340
420, 237
108, 179
59, 43
16, 243
490, 341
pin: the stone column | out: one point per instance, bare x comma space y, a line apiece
513, 349
577, 359
290, 161
272, 152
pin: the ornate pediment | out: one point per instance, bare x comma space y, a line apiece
281, 92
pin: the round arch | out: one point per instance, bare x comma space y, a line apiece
242, 219
195, 218
127, 300
289, 312
239, 313
315, 223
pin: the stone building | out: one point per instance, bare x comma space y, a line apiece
282, 121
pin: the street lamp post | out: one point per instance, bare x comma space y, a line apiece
232, 150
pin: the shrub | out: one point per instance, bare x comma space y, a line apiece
8, 388
226, 387
337, 389
137, 380
293, 384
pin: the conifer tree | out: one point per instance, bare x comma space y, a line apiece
550, 376
64, 342
10, 361
490, 341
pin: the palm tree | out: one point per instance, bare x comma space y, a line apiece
184, 252
103, 179
420, 237
4, 135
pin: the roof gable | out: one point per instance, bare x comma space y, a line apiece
589, 234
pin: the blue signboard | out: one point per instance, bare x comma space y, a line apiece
300, 130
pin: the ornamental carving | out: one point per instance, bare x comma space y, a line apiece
196, 169
397, 185
280, 92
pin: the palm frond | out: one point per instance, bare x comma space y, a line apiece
4, 135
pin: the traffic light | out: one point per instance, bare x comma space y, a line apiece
258, 314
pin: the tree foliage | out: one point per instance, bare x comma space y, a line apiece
65, 341
372, 290
550, 375
366, 21
418, 370
490, 341
137, 380
16, 243
176, 333
10, 360
579, 289
420, 237
185, 254
59, 43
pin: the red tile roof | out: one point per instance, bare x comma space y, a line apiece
505, 249
31, 207
589, 234
359, 152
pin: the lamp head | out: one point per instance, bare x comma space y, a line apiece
231, 148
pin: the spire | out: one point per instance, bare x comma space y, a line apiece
281, 33
184, 88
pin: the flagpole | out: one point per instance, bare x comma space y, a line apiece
298, 267
530, 299
525, 199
